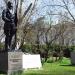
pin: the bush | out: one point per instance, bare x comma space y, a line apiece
49, 61
67, 50
71, 48
1, 46
26, 48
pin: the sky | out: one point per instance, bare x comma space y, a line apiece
42, 10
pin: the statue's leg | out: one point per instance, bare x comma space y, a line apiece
13, 38
13, 42
6, 39
10, 39
6, 43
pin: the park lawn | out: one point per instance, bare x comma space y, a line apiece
63, 67
58, 68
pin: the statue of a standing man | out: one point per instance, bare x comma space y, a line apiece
8, 17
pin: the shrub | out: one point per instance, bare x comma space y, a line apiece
26, 48
1, 46
50, 61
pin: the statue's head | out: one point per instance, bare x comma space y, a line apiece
9, 5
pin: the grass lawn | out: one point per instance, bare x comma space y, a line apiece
58, 68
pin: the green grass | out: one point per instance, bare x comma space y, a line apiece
58, 68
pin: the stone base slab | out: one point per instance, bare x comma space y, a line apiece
10, 62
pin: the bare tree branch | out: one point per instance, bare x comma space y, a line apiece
68, 10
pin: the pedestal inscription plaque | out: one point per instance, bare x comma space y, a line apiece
14, 61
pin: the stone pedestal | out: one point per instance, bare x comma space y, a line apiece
14, 61
10, 62
3, 62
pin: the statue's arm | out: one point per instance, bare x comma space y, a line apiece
4, 16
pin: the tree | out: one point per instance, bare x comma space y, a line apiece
64, 5
23, 20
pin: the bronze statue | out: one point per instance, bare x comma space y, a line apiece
8, 17
10, 25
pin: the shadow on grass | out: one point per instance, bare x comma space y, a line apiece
2, 72
68, 65
17, 73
